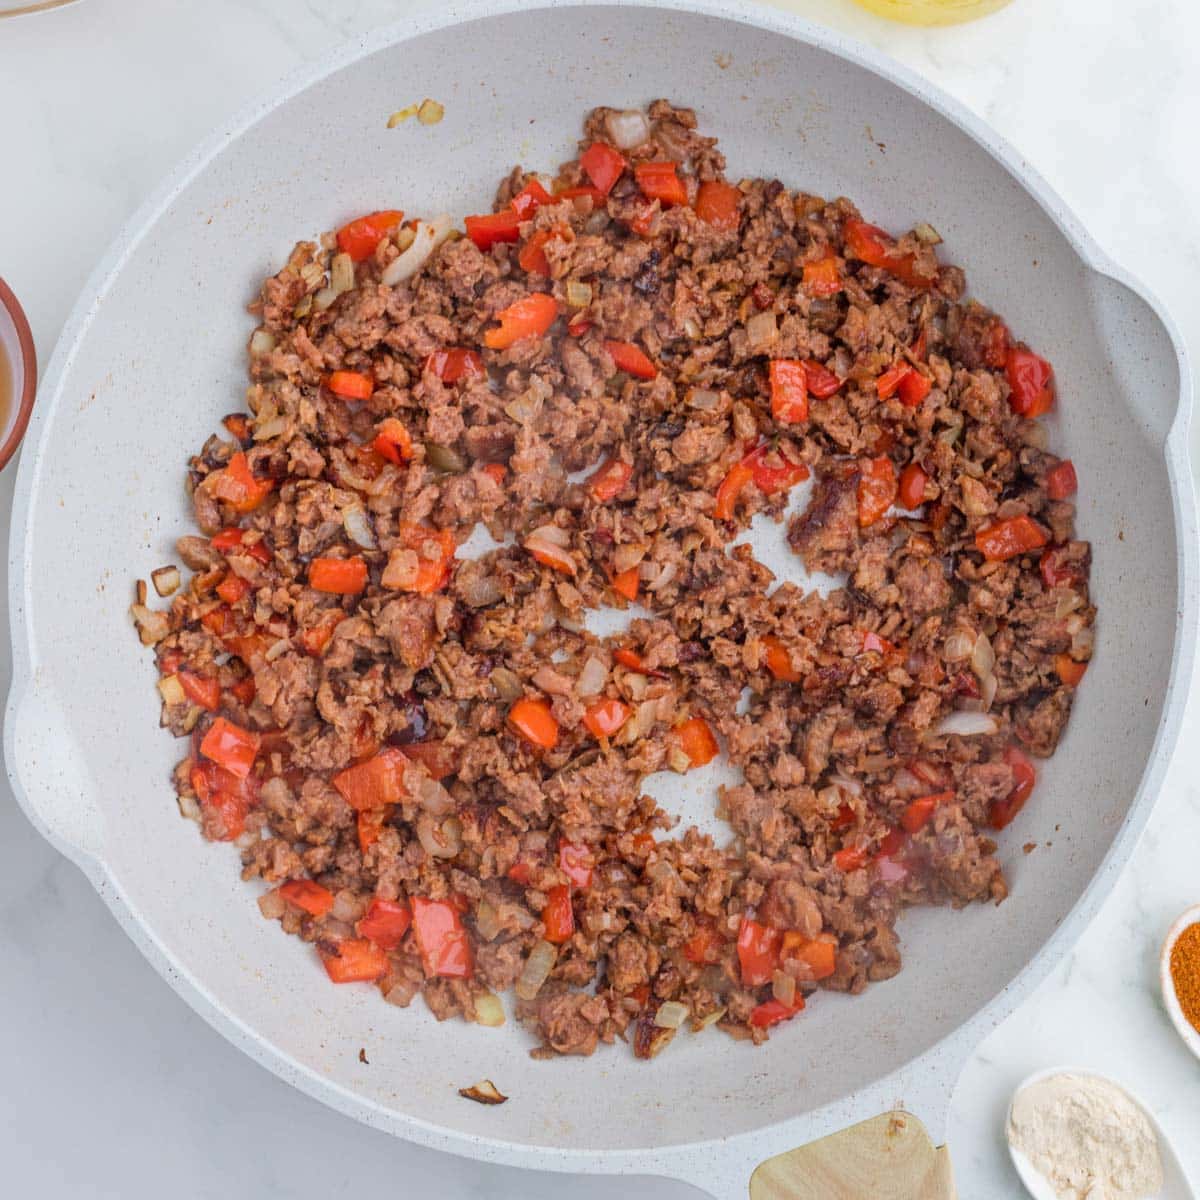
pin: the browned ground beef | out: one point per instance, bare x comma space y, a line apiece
831, 757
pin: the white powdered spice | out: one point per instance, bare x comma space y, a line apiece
1087, 1137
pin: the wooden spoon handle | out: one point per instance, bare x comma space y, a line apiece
889, 1157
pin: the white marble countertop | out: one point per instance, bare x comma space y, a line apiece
112, 1087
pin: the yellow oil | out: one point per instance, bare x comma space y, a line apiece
933, 12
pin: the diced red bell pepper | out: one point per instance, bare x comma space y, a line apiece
605, 717
307, 895
433, 574
658, 181
1031, 380
232, 588
1054, 569
719, 205
876, 490
238, 424
237, 486
625, 583
730, 489
913, 388
822, 278
355, 960
244, 690
779, 661
822, 382
443, 943
697, 740
350, 385
532, 258
372, 784
370, 827
610, 479
1007, 539
631, 359
385, 923
771, 1012
578, 325
550, 554
529, 199
594, 194
892, 844
758, 948
888, 384
338, 576
1024, 777
1068, 670
602, 165
633, 661
851, 858
360, 237
873, 643
456, 363
817, 956
558, 916
200, 689
704, 946
316, 637
917, 812
873, 246
234, 539
224, 799
1061, 480
230, 747
534, 722
530, 316
913, 480
489, 229
435, 756
789, 391
496, 472
520, 872
575, 861
393, 441
769, 479
843, 818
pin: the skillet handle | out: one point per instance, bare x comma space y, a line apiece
889, 1157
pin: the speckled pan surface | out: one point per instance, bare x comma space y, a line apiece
152, 356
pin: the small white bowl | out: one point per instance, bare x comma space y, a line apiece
1175, 1182
1187, 1031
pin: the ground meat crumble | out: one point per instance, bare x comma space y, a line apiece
443, 768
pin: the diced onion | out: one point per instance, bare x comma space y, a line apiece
628, 555
665, 575
439, 842
346, 906
341, 273
488, 1010
853, 786
277, 649
627, 129
359, 528
592, 678
783, 988
272, 905
262, 341
165, 580
1068, 602
271, 428
433, 797
762, 330
958, 646
487, 920
1082, 643
189, 808
536, 970
926, 233
703, 399
430, 112
579, 295
983, 658
401, 115
429, 236
556, 535
967, 724
171, 690
988, 687
483, 1092
152, 626
709, 1018
671, 1014
444, 458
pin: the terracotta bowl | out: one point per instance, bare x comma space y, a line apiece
21, 358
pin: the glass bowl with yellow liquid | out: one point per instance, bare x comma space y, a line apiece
933, 12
